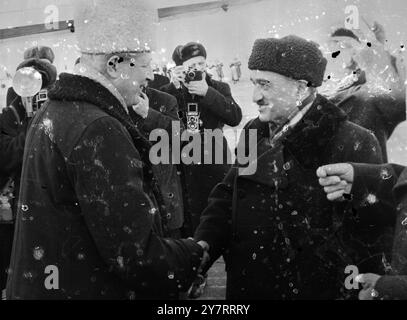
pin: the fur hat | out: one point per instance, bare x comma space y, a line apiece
39, 52
291, 56
192, 50
106, 26
176, 56
47, 70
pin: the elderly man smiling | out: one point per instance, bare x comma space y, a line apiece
280, 237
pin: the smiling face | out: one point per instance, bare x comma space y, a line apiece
131, 74
276, 95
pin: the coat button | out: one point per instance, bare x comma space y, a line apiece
287, 166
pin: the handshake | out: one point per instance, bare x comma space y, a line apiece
198, 285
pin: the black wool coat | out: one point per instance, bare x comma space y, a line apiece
280, 236
217, 108
86, 208
161, 115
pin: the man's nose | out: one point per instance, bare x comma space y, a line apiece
257, 95
150, 74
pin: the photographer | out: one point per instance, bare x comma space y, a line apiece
203, 104
14, 122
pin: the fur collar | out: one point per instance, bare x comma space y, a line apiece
71, 87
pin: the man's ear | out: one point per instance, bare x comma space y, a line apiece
302, 89
112, 66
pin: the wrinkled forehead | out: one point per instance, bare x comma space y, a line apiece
195, 61
258, 75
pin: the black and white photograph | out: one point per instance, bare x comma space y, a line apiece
205, 155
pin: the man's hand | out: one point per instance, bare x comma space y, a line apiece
178, 76
337, 180
205, 258
368, 281
199, 88
143, 106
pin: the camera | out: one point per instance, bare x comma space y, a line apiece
33, 104
193, 118
39, 99
193, 75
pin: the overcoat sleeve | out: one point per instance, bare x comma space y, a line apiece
222, 104
395, 286
106, 172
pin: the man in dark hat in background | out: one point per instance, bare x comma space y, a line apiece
213, 103
280, 237
37, 52
216, 107
14, 121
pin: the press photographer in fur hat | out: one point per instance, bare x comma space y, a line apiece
204, 103
279, 235
90, 204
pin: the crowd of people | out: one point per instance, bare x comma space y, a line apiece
80, 193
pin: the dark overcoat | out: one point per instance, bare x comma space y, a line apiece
280, 236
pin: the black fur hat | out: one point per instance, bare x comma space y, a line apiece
192, 50
291, 56
176, 56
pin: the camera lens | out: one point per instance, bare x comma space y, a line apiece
191, 74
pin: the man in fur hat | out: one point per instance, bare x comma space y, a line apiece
89, 218
280, 237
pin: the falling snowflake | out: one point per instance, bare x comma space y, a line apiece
120, 261
371, 199
38, 253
